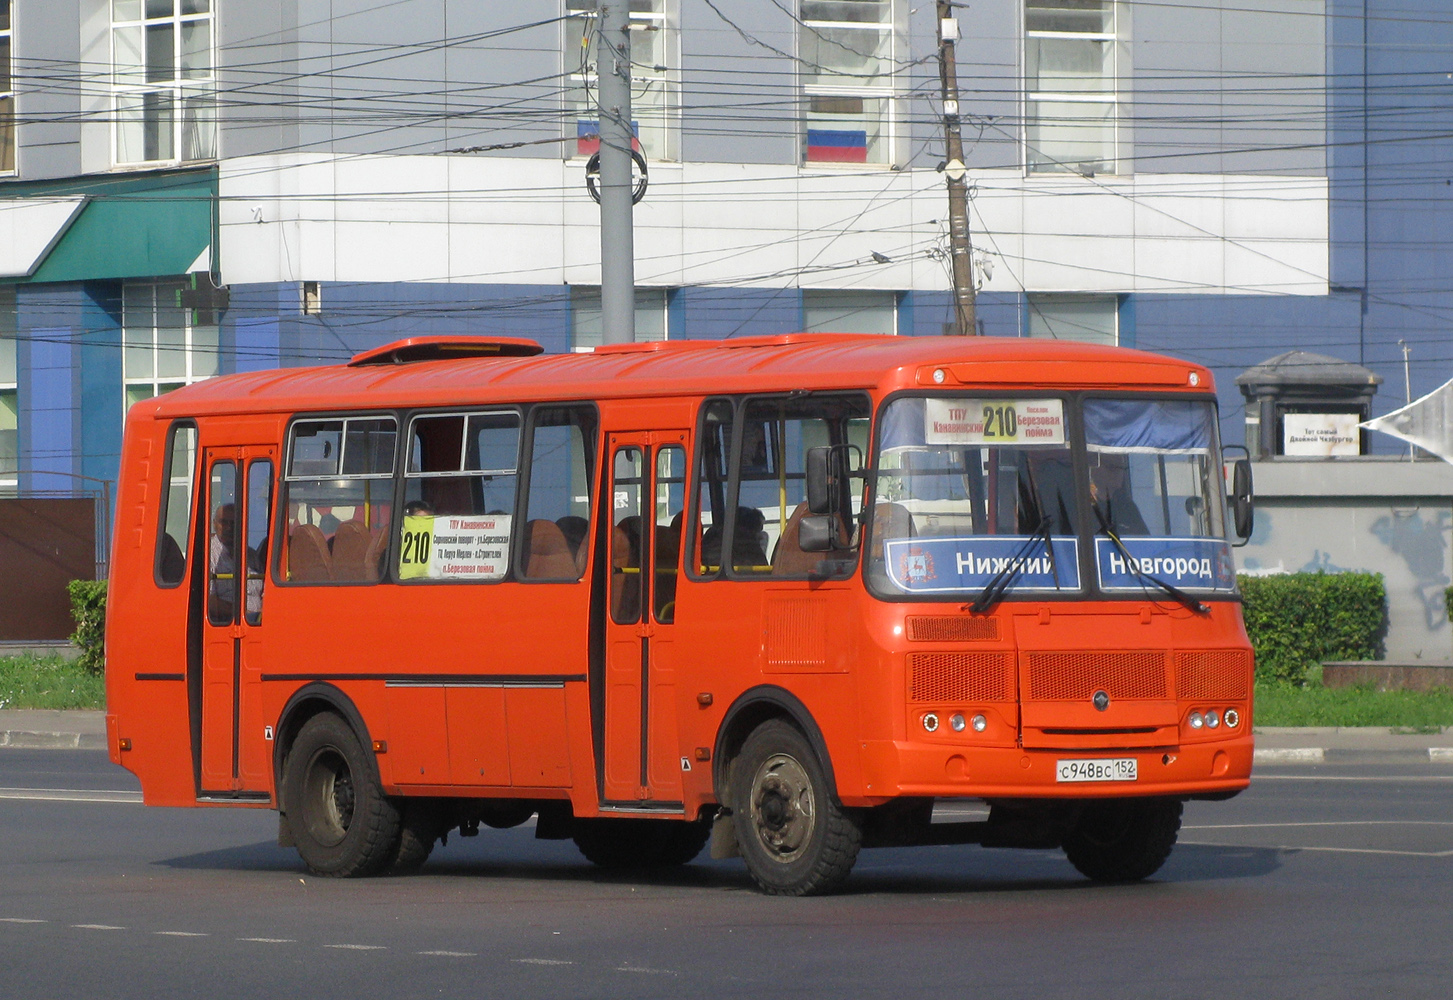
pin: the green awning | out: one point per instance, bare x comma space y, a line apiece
151, 225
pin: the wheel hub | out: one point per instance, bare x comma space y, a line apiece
782, 807
329, 798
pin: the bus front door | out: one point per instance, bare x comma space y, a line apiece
234, 759
646, 503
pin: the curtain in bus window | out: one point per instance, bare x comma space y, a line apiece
1167, 426
459, 497
771, 497
176, 517
557, 504
713, 449
339, 500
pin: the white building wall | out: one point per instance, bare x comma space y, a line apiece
530, 221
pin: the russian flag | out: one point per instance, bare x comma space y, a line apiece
826, 145
587, 137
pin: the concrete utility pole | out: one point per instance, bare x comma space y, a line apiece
617, 242
960, 249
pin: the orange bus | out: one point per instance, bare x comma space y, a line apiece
780, 594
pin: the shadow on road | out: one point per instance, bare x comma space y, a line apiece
897, 871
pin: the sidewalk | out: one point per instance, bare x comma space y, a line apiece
1309, 745
39, 730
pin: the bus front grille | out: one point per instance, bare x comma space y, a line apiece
1076, 676
1213, 674
961, 677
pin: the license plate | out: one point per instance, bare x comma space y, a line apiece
1112, 769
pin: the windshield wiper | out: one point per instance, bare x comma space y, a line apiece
1181, 596
1003, 579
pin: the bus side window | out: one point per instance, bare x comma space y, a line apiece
771, 495
339, 494
557, 504
176, 515
709, 513
459, 497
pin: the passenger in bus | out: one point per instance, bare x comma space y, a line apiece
222, 564
574, 528
1110, 493
749, 544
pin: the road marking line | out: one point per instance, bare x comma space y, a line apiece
97, 927
1331, 850
450, 954
543, 961
1440, 753
1343, 822
22, 920
180, 933
357, 947
1296, 755
651, 972
271, 940
1352, 777
71, 795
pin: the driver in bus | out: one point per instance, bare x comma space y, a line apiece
1110, 493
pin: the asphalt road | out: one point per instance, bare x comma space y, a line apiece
1331, 881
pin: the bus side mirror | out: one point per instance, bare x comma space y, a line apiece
814, 534
1239, 500
819, 482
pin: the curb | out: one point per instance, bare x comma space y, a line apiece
19, 740
1321, 755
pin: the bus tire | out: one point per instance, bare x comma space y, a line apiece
419, 828
796, 837
640, 843
343, 824
1123, 840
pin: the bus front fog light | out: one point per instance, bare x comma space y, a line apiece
957, 722
1233, 718
930, 722
1196, 721
980, 723
1213, 719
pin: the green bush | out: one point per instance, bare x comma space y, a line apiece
1298, 620
88, 608
1448, 601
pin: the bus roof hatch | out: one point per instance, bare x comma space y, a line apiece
444, 348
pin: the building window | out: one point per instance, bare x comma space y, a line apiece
7, 95
655, 81
1094, 319
9, 399
165, 87
1071, 107
845, 48
827, 310
586, 326
164, 351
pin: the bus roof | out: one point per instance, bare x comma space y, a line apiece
689, 367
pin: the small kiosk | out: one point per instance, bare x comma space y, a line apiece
1307, 405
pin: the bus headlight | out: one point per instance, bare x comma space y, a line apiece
930, 722
1196, 721
956, 722
980, 723
1233, 718
1213, 719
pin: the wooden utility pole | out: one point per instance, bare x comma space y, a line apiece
961, 251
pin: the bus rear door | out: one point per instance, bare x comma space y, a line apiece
234, 759
646, 503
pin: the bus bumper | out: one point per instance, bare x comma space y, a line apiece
895, 768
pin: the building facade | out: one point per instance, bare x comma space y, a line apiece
194, 187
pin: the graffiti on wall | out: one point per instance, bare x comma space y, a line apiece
1422, 543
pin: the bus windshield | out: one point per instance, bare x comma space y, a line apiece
969, 489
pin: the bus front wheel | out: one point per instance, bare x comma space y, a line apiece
342, 823
1123, 840
796, 837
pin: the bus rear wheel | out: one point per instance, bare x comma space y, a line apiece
1123, 840
340, 819
795, 836
640, 843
